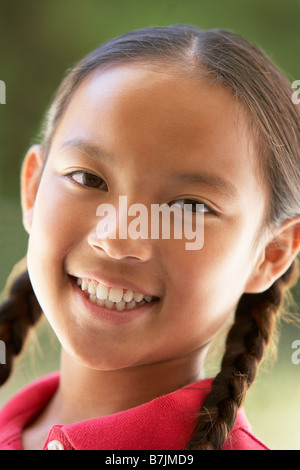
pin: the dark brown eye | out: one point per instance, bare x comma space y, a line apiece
87, 179
192, 206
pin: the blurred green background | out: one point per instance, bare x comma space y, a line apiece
39, 40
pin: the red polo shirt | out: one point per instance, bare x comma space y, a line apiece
164, 423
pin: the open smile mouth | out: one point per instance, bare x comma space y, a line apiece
112, 298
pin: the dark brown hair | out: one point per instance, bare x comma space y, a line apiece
265, 95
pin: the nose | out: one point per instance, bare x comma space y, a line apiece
121, 249
120, 237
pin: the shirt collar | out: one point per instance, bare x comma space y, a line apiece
165, 422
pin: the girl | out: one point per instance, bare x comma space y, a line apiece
161, 115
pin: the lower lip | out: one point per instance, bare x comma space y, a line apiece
103, 313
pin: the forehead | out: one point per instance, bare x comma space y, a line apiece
160, 118
165, 103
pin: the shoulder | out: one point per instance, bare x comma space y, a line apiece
22, 407
241, 436
32, 396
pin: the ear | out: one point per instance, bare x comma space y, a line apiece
30, 179
277, 256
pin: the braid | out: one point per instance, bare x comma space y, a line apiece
246, 343
17, 314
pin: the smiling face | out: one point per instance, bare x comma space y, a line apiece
138, 131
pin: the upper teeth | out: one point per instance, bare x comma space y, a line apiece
109, 295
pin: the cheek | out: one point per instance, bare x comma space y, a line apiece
207, 284
59, 220
57, 227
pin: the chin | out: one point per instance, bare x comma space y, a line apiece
97, 360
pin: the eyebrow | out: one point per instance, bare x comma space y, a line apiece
222, 185
88, 148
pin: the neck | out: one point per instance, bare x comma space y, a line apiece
86, 393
